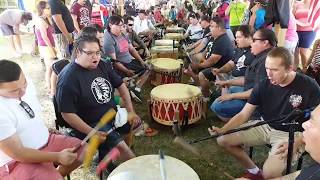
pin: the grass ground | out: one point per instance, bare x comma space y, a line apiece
211, 165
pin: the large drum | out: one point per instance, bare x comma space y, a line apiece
175, 29
147, 167
165, 71
168, 98
164, 52
166, 42
173, 36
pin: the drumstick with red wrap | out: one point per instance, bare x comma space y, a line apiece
111, 156
107, 117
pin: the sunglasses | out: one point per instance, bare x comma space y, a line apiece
130, 24
27, 109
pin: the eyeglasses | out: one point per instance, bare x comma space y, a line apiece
27, 109
255, 39
130, 24
91, 53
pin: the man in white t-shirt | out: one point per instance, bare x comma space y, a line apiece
27, 148
144, 27
194, 31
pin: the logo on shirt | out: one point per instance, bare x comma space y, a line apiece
295, 100
101, 89
240, 63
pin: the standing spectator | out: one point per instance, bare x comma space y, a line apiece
157, 15
80, 12
10, 21
63, 27
236, 12
98, 13
173, 14
221, 12
291, 38
306, 33
44, 33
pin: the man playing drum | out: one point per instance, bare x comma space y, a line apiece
289, 91
28, 150
117, 46
85, 92
219, 51
229, 104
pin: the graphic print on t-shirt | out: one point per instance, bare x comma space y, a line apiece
240, 62
123, 45
295, 100
101, 89
84, 16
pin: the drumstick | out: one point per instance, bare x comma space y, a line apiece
185, 145
107, 117
188, 55
162, 168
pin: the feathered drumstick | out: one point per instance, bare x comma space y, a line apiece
107, 117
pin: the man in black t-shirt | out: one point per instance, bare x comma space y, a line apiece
275, 97
311, 140
236, 67
63, 27
85, 92
218, 52
263, 41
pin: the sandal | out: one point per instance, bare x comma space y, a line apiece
150, 132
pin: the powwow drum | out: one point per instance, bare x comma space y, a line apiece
148, 167
165, 71
164, 52
168, 98
175, 29
165, 42
173, 36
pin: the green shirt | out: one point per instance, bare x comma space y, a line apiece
236, 13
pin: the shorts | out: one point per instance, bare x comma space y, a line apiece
134, 65
113, 139
208, 74
306, 38
6, 30
40, 171
46, 53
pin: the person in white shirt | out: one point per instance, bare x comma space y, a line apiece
27, 148
194, 31
144, 27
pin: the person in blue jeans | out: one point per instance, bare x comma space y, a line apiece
263, 41
225, 110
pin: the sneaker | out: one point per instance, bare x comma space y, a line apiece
250, 176
135, 95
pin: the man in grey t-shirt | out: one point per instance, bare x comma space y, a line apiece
128, 61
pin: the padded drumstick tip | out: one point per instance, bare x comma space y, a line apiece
185, 145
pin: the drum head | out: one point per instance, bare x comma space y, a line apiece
163, 49
147, 167
175, 36
166, 64
176, 91
165, 42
